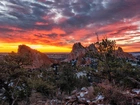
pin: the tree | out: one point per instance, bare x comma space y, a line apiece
116, 69
106, 56
67, 78
13, 84
43, 80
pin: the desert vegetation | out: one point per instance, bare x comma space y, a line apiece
109, 76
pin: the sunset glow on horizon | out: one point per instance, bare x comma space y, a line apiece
6, 48
55, 25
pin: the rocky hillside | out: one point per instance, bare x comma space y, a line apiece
78, 53
38, 59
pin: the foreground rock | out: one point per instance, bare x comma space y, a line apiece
86, 96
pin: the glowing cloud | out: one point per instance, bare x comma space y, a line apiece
54, 25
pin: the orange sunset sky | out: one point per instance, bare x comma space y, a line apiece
55, 25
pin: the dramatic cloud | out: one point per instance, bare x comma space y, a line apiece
61, 23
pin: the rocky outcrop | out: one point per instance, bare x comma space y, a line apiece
77, 51
92, 48
38, 59
121, 54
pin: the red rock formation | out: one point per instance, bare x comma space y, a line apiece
121, 54
38, 59
77, 51
92, 47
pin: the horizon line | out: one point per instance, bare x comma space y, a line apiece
61, 52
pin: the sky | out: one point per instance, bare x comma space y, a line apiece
55, 25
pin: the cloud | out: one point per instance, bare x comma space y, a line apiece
68, 21
77, 13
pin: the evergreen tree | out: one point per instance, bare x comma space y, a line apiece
67, 78
13, 84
